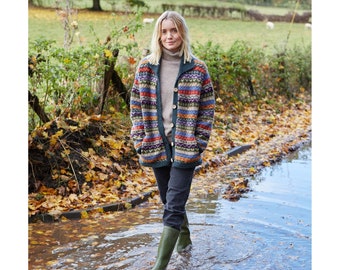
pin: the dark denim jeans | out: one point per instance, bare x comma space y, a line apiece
174, 188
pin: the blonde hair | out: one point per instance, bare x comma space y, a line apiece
183, 31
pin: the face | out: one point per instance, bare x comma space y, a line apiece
170, 38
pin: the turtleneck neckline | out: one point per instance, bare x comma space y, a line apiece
170, 56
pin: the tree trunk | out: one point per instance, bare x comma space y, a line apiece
33, 101
111, 76
96, 5
120, 87
251, 87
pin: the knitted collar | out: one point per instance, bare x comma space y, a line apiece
170, 56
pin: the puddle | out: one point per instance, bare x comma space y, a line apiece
269, 229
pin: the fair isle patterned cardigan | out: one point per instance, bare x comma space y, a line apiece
192, 118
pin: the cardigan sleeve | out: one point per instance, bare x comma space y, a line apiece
206, 112
137, 129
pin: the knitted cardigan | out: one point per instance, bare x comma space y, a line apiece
193, 114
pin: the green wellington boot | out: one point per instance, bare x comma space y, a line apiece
166, 247
184, 242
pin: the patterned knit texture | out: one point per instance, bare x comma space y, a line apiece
193, 115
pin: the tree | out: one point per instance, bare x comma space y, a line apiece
132, 3
96, 5
136, 3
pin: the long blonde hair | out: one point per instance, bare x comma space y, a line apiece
182, 28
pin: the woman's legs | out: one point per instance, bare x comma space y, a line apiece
174, 188
162, 175
177, 196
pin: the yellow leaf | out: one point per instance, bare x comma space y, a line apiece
117, 184
84, 214
63, 218
115, 153
67, 152
32, 207
122, 176
266, 163
55, 137
128, 205
88, 176
252, 170
53, 141
108, 53
59, 133
51, 263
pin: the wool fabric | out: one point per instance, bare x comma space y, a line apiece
192, 116
168, 73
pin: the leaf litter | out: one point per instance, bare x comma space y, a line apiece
89, 161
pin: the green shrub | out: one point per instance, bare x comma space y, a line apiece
69, 80
66, 81
242, 74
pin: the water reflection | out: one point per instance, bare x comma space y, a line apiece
270, 229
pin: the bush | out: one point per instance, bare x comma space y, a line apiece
242, 74
69, 80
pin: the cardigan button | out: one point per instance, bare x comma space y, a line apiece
172, 160
176, 90
174, 106
172, 143
172, 125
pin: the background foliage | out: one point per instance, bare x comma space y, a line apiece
67, 78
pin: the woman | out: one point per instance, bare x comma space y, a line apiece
172, 110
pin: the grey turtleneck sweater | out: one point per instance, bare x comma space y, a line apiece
170, 63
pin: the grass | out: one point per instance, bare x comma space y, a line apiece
45, 23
